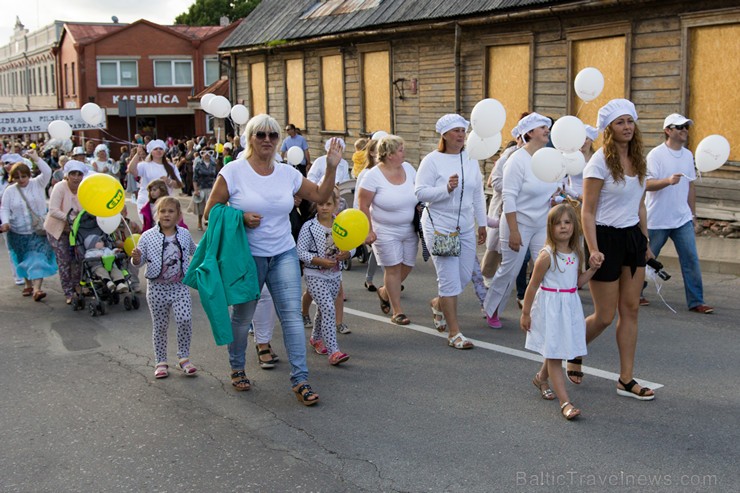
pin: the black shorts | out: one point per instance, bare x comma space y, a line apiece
622, 247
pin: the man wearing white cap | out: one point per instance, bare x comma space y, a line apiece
318, 168
671, 205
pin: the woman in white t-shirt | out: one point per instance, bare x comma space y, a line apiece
526, 202
386, 196
153, 167
451, 185
264, 189
615, 228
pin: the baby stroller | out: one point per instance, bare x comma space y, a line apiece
84, 226
347, 194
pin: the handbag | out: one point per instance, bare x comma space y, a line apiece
448, 245
37, 222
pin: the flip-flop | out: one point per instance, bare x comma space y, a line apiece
385, 305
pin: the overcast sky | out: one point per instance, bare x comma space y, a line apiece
40, 13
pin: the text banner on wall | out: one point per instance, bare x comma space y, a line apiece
26, 122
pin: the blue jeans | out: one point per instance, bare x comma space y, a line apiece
685, 243
283, 277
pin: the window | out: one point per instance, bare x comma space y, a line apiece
295, 93
173, 73
116, 73
74, 80
508, 79
209, 123
52, 83
713, 100
258, 88
66, 79
332, 93
211, 71
376, 91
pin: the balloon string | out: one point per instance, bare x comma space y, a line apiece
583, 103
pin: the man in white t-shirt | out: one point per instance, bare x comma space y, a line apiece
671, 205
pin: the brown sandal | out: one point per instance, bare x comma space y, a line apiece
27, 291
240, 381
400, 319
39, 295
305, 394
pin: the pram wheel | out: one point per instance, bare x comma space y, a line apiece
127, 303
135, 302
101, 308
93, 311
347, 264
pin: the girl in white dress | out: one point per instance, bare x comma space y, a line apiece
552, 315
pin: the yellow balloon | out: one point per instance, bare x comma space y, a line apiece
130, 243
219, 148
101, 195
350, 229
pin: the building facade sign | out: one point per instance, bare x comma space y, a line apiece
155, 98
38, 121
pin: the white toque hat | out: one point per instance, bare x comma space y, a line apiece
327, 144
591, 132
73, 165
613, 110
78, 150
676, 119
532, 121
155, 144
450, 121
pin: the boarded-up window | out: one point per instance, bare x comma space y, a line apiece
258, 88
714, 98
376, 90
295, 92
607, 55
332, 93
509, 81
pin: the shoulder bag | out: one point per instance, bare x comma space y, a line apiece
448, 245
37, 222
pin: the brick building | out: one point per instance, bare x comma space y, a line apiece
156, 66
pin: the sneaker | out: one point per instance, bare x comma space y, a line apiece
343, 329
338, 358
122, 288
494, 322
318, 346
307, 322
644, 301
704, 309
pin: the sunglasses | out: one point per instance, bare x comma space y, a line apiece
263, 135
206, 153
680, 127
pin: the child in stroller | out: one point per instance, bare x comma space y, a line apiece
96, 255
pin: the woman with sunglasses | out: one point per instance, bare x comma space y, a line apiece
64, 207
263, 188
152, 167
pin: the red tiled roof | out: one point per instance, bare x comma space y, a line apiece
196, 32
83, 33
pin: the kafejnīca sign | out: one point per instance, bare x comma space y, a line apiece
26, 122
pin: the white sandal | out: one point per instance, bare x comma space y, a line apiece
440, 325
460, 342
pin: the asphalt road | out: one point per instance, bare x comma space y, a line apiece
81, 410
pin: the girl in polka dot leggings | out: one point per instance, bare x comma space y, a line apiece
321, 260
166, 249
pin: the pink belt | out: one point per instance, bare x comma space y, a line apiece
559, 290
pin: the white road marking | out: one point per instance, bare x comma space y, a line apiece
495, 347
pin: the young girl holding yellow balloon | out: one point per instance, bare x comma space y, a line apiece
321, 261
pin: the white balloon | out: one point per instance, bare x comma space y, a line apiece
481, 149
295, 155
488, 118
219, 107
109, 224
711, 153
548, 164
59, 129
589, 83
205, 100
91, 113
574, 163
379, 135
240, 114
568, 134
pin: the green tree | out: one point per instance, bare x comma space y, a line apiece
209, 12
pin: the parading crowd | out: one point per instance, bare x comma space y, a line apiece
623, 208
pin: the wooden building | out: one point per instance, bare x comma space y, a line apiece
351, 67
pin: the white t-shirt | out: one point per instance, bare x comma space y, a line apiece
148, 172
619, 203
431, 187
318, 170
392, 209
524, 193
668, 208
270, 196
358, 185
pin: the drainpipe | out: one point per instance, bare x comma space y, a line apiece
458, 105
